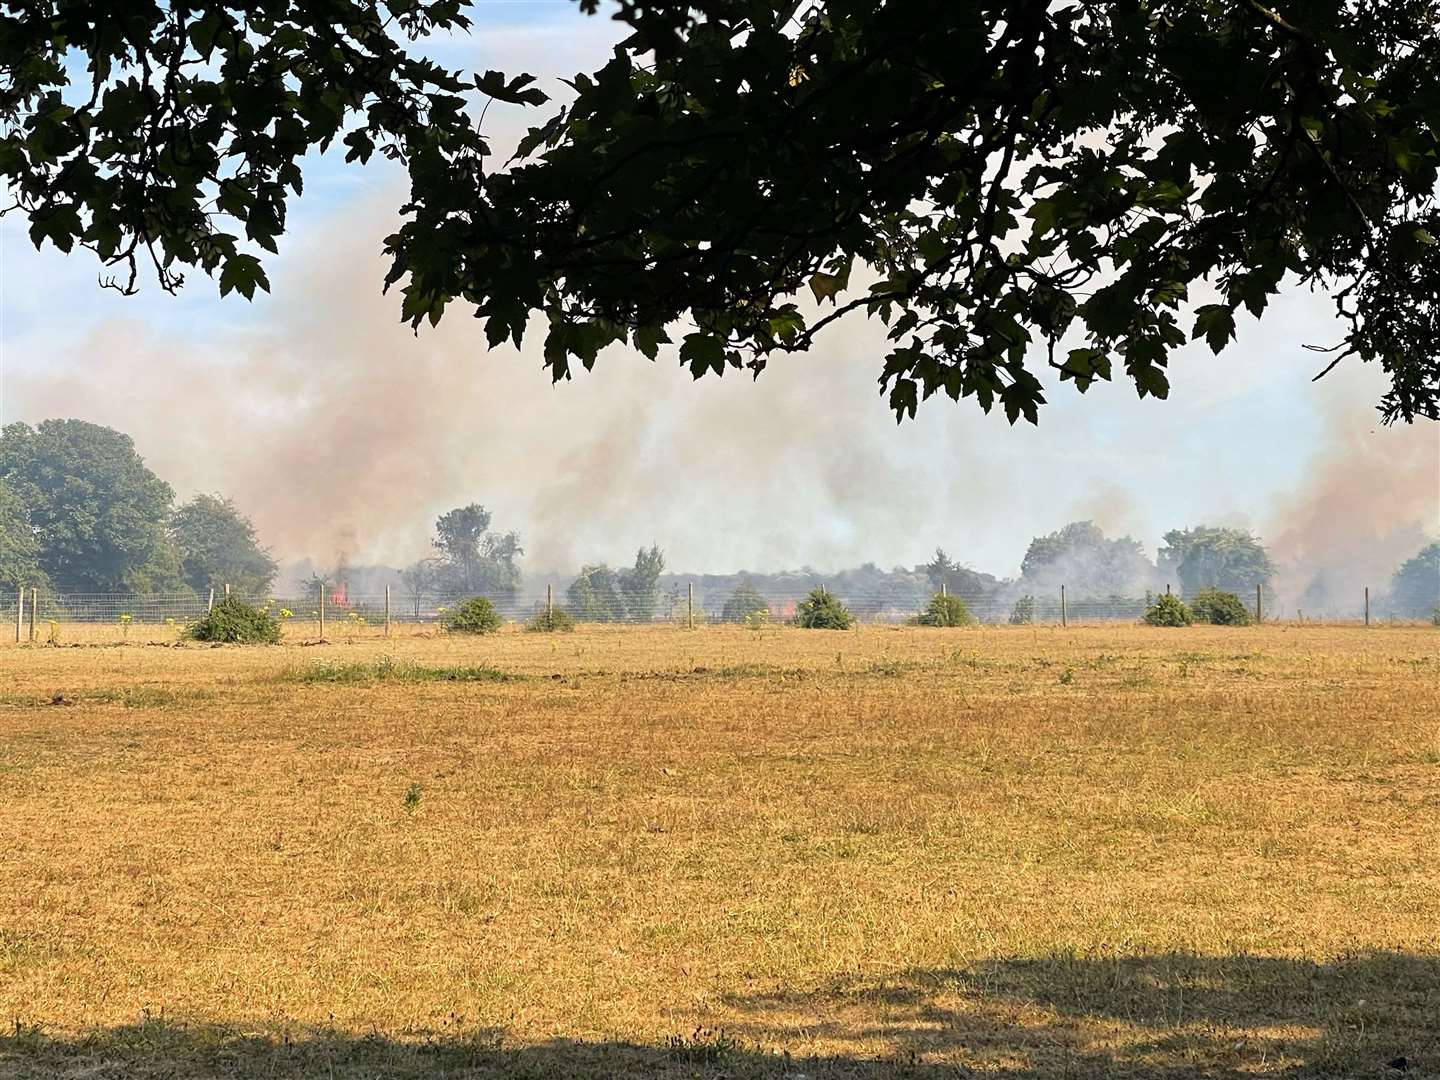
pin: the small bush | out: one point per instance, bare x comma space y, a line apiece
744, 604
1219, 608
946, 610
821, 611
1169, 610
474, 616
550, 622
1023, 613
236, 622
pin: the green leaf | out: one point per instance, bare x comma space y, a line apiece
1216, 324
825, 286
649, 338
514, 92
242, 273
703, 352
931, 246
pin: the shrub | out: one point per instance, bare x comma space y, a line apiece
474, 616
1219, 608
946, 610
821, 611
549, 622
236, 622
742, 605
1169, 610
1023, 613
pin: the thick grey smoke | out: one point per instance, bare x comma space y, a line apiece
1369, 500
342, 433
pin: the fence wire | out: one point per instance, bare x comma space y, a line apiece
672, 605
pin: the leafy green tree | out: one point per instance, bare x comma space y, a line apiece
217, 546
1103, 181
419, 580
595, 596
1208, 556
19, 546
640, 585
99, 514
956, 579
743, 603
1415, 588
1082, 558
473, 559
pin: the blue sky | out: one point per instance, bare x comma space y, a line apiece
352, 434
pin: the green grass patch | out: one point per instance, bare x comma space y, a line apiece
388, 669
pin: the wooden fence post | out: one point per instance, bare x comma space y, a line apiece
227, 590
1367, 605
1259, 611
210, 604
322, 611
550, 606
19, 614
387, 610
34, 603
943, 592
690, 604
1064, 621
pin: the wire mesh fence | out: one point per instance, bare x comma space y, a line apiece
774, 605
675, 603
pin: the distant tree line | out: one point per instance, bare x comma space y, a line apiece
81, 512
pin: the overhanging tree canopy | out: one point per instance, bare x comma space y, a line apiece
1004, 184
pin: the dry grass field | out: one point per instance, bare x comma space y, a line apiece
1014, 852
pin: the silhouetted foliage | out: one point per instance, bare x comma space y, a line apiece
1105, 181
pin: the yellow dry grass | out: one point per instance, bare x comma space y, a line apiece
1010, 852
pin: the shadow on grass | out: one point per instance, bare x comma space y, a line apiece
1175, 1016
